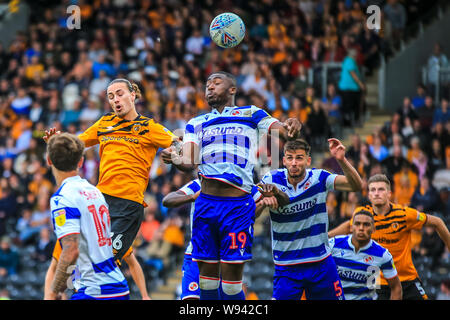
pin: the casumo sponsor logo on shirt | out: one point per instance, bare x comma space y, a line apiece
298, 207
118, 138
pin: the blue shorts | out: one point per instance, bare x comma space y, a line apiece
320, 281
222, 229
189, 284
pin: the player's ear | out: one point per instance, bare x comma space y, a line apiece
232, 90
80, 163
308, 162
49, 162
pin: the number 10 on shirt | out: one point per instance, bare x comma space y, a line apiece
100, 224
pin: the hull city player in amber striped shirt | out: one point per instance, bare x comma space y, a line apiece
393, 226
128, 144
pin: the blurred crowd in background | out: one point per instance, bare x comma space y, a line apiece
55, 77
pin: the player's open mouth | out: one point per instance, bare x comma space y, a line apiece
118, 108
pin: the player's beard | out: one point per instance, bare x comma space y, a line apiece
300, 174
217, 101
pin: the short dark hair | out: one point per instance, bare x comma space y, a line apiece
379, 177
365, 213
228, 75
65, 150
297, 144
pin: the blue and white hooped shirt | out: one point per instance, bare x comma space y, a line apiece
359, 271
228, 143
300, 228
78, 207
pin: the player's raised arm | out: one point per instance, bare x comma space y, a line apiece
49, 133
178, 198
350, 181
288, 130
343, 228
440, 227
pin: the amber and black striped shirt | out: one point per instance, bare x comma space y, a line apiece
127, 150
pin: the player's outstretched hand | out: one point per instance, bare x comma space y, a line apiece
169, 155
293, 127
48, 133
270, 202
337, 149
267, 190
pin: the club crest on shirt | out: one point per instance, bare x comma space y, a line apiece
136, 128
60, 217
236, 113
368, 259
193, 286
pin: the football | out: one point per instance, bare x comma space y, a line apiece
227, 30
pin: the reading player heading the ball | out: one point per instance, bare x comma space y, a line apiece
301, 252
223, 144
81, 222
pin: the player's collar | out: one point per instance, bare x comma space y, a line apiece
225, 110
349, 240
308, 174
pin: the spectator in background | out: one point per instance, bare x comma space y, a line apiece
418, 100
406, 111
44, 246
355, 148
395, 14
425, 114
435, 62
377, 149
444, 291
150, 225
406, 174
21, 104
9, 258
300, 82
317, 127
442, 114
431, 245
349, 205
332, 104
425, 197
403, 191
351, 88
395, 161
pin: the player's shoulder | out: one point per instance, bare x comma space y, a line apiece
342, 239
276, 175
364, 208
377, 250
72, 188
319, 173
395, 207
339, 242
